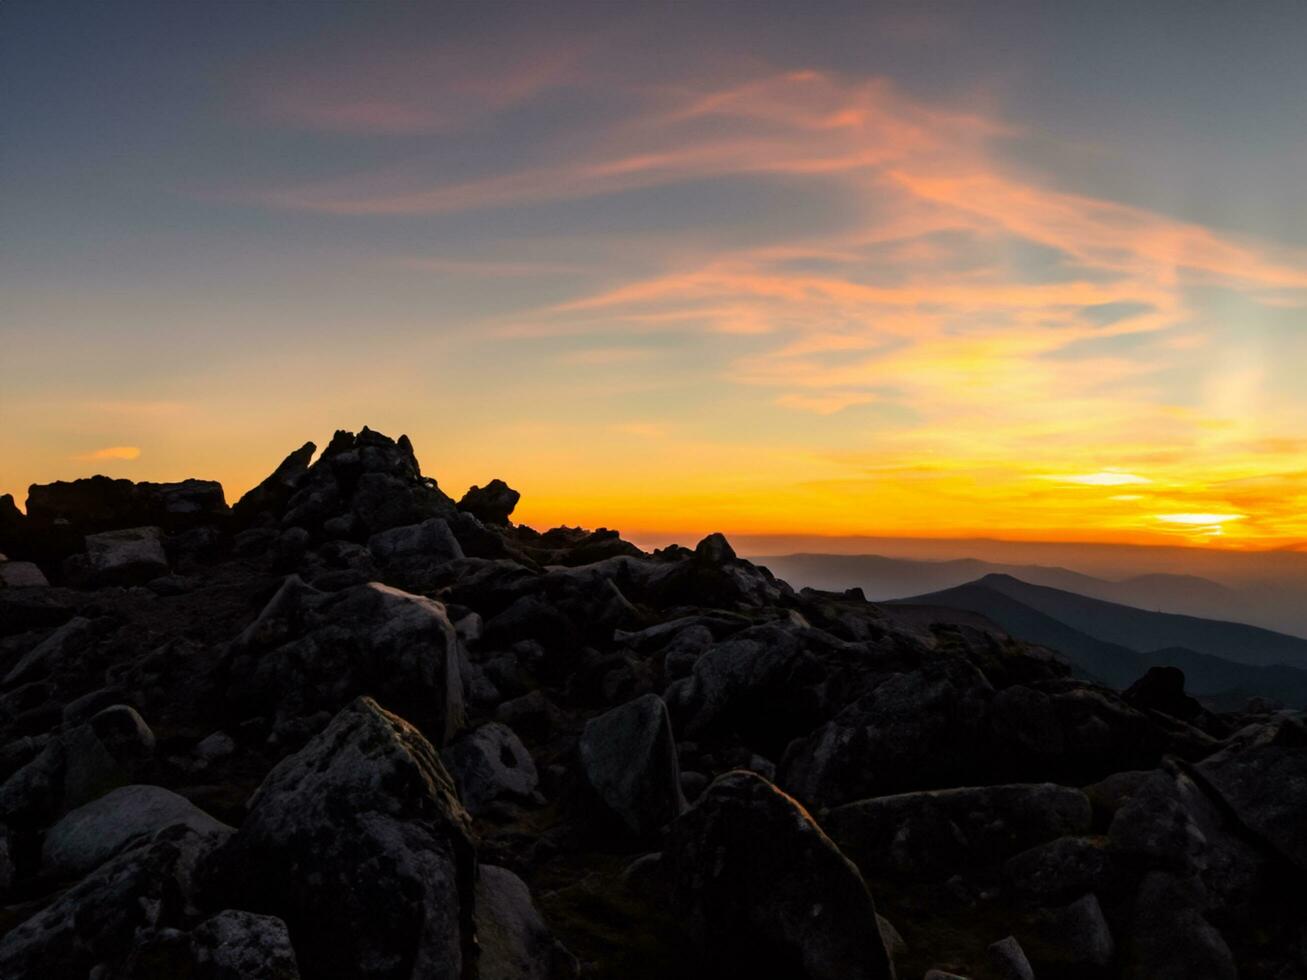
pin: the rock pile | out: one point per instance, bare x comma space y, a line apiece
351, 727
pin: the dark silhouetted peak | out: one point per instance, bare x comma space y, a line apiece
274, 491
715, 549
491, 504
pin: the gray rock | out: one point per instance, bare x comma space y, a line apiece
1074, 937
113, 749
358, 842
64, 644
915, 730
1262, 778
939, 832
431, 539
235, 945
1172, 939
628, 756
21, 575
85, 838
369, 639
1058, 870
130, 556
8, 873
490, 763
1008, 960
761, 891
31, 796
515, 942
219, 745
140, 895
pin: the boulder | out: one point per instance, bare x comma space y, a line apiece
761, 891
1072, 940
1171, 939
1262, 777
515, 943
629, 758
1058, 870
67, 644
86, 837
21, 575
489, 764
370, 639
1008, 960
491, 504
431, 539
939, 833
236, 945
1162, 689
113, 749
130, 901
921, 729
127, 557
358, 842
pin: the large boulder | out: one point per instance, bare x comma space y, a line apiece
763, 892
86, 837
1262, 777
21, 575
358, 842
370, 639
431, 540
236, 945
941, 832
628, 756
491, 504
125, 557
916, 730
137, 898
515, 943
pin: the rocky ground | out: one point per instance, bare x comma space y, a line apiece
352, 728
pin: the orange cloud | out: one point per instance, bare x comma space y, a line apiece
113, 452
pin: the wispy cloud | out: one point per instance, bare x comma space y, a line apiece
112, 452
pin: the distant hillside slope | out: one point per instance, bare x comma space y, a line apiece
1143, 630
1114, 664
883, 578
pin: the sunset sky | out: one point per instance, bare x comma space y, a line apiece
1028, 271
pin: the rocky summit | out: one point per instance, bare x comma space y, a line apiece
351, 727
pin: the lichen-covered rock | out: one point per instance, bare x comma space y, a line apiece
358, 842
236, 945
762, 891
629, 758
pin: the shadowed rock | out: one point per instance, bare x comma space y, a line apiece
763, 892
359, 843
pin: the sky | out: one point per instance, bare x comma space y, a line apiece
1027, 271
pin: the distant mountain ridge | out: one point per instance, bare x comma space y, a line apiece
1083, 630
883, 578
